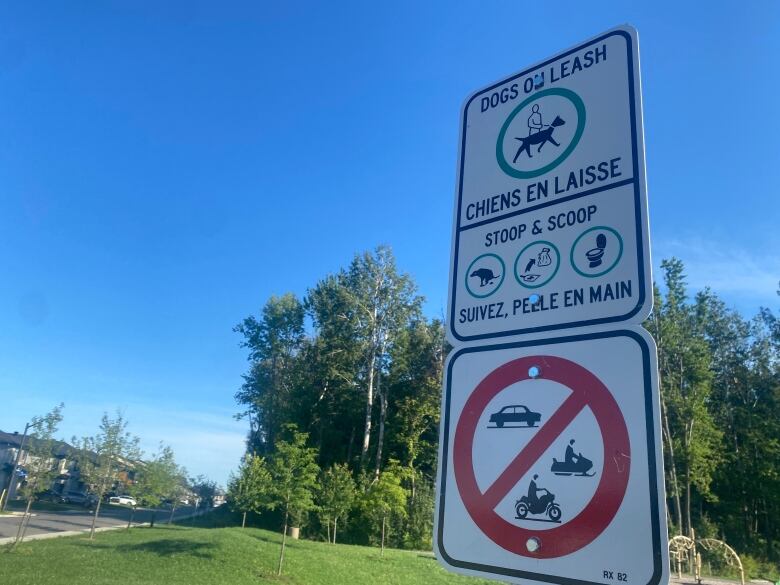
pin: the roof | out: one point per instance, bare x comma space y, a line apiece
14, 440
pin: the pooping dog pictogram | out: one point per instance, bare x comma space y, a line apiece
540, 137
485, 276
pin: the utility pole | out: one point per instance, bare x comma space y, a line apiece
27, 427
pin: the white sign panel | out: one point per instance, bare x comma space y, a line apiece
550, 226
550, 464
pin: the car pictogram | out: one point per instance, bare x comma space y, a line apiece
515, 413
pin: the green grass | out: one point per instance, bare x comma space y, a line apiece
179, 555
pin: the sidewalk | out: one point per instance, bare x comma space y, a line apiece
58, 534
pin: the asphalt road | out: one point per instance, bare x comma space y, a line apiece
72, 518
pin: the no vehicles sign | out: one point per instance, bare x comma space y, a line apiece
550, 228
550, 461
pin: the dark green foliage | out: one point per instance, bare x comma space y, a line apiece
720, 386
273, 342
205, 490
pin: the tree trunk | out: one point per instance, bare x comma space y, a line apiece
688, 499
25, 518
94, 519
154, 515
26, 526
383, 536
369, 408
284, 542
327, 522
335, 522
243, 520
173, 509
672, 468
130, 519
382, 418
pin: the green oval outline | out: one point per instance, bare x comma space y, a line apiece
557, 267
559, 91
500, 282
574, 245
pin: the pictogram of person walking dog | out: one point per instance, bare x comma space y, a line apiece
538, 133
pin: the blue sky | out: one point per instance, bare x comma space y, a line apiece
163, 170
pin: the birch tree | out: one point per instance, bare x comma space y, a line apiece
383, 302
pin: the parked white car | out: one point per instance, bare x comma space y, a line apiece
123, 501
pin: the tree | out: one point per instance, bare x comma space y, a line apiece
273, 342
155, 480
293, 470
382, 303
39, 468
336, 496
385, 497
330, 387
249, 490
415, 377
684, 361
103, 457
419, 522
746, 405
178, 491
205, 490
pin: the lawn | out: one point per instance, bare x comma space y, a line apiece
179, 555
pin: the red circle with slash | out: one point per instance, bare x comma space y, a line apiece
586, 391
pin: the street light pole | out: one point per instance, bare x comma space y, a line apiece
27, 427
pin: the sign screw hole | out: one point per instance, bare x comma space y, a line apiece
534, 371
533, 544
534, 299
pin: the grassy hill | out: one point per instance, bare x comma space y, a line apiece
193, 556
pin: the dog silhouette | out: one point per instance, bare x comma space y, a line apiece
541, 138
485, 276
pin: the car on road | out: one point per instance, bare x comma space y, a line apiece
515, 413
123, 501
87, 500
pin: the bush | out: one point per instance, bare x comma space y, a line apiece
758, 569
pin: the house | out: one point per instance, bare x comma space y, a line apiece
63, 456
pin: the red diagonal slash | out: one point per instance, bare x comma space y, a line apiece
531, 453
